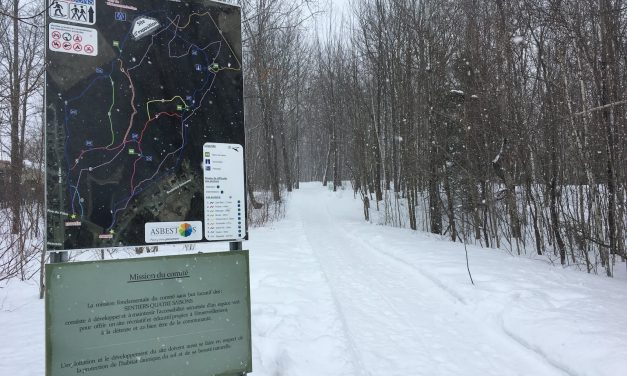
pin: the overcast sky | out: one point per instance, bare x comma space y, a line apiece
334, 9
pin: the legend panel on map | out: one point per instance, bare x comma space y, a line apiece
224, 185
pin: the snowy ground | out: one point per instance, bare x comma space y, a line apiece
332, 295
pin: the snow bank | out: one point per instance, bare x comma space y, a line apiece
332, 295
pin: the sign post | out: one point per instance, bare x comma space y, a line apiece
145, 147
59, 257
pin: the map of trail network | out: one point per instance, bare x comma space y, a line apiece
131, 101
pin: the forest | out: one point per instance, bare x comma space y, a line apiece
496, 123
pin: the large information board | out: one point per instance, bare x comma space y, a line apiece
135, 91
184, 315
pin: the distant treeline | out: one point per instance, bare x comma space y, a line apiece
21, 137
497, 122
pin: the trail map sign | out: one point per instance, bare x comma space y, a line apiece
136, 93
184, 315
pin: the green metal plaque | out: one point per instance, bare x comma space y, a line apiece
182, 315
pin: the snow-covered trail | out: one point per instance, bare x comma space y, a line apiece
333, 295
399, 322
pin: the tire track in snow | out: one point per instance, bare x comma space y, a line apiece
396, 319
355, 355
455, 297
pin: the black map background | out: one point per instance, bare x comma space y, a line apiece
86, 84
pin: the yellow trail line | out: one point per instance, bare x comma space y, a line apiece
110, 110
163, 101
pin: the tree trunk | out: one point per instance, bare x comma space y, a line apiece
286, 161
16, 163
608, 117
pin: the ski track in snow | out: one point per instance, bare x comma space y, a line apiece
402, 322
333, 295
429, 279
